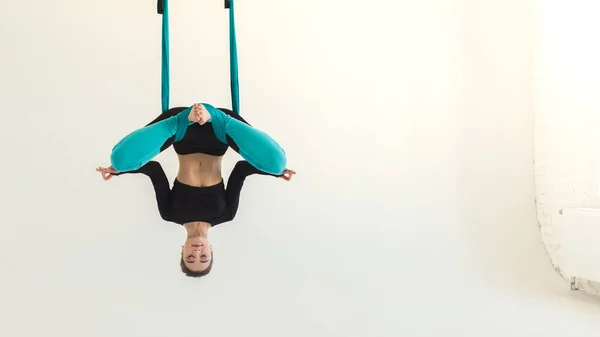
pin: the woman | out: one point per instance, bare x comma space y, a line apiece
199, 199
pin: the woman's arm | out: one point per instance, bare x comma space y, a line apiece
162, 190
235, 183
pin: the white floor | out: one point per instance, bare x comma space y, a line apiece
412, 213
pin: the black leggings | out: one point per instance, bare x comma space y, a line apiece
198, 138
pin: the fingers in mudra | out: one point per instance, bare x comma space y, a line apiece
287, 174
107, 173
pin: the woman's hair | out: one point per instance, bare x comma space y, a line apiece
191, 273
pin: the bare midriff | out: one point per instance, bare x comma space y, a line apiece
199, 169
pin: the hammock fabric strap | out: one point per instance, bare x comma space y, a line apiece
162, 8
233, 60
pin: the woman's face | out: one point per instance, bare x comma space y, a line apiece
196, 253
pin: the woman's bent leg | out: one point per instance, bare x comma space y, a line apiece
254, 145
140, 146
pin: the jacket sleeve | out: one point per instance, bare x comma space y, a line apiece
162, 190
235, 183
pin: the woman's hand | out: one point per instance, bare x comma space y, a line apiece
107, 172
199, 114
287, 174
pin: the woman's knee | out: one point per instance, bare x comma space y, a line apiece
281, 162
119, 160
276, 162
126, 157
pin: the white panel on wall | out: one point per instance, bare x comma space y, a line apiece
567, 114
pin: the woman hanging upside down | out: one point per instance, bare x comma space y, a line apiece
199, 200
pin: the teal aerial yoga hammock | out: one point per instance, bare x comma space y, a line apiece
233, 62
163, 8
139, 147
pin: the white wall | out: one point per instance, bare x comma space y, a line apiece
409, 124
567, 84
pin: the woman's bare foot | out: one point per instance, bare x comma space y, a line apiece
199, 114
